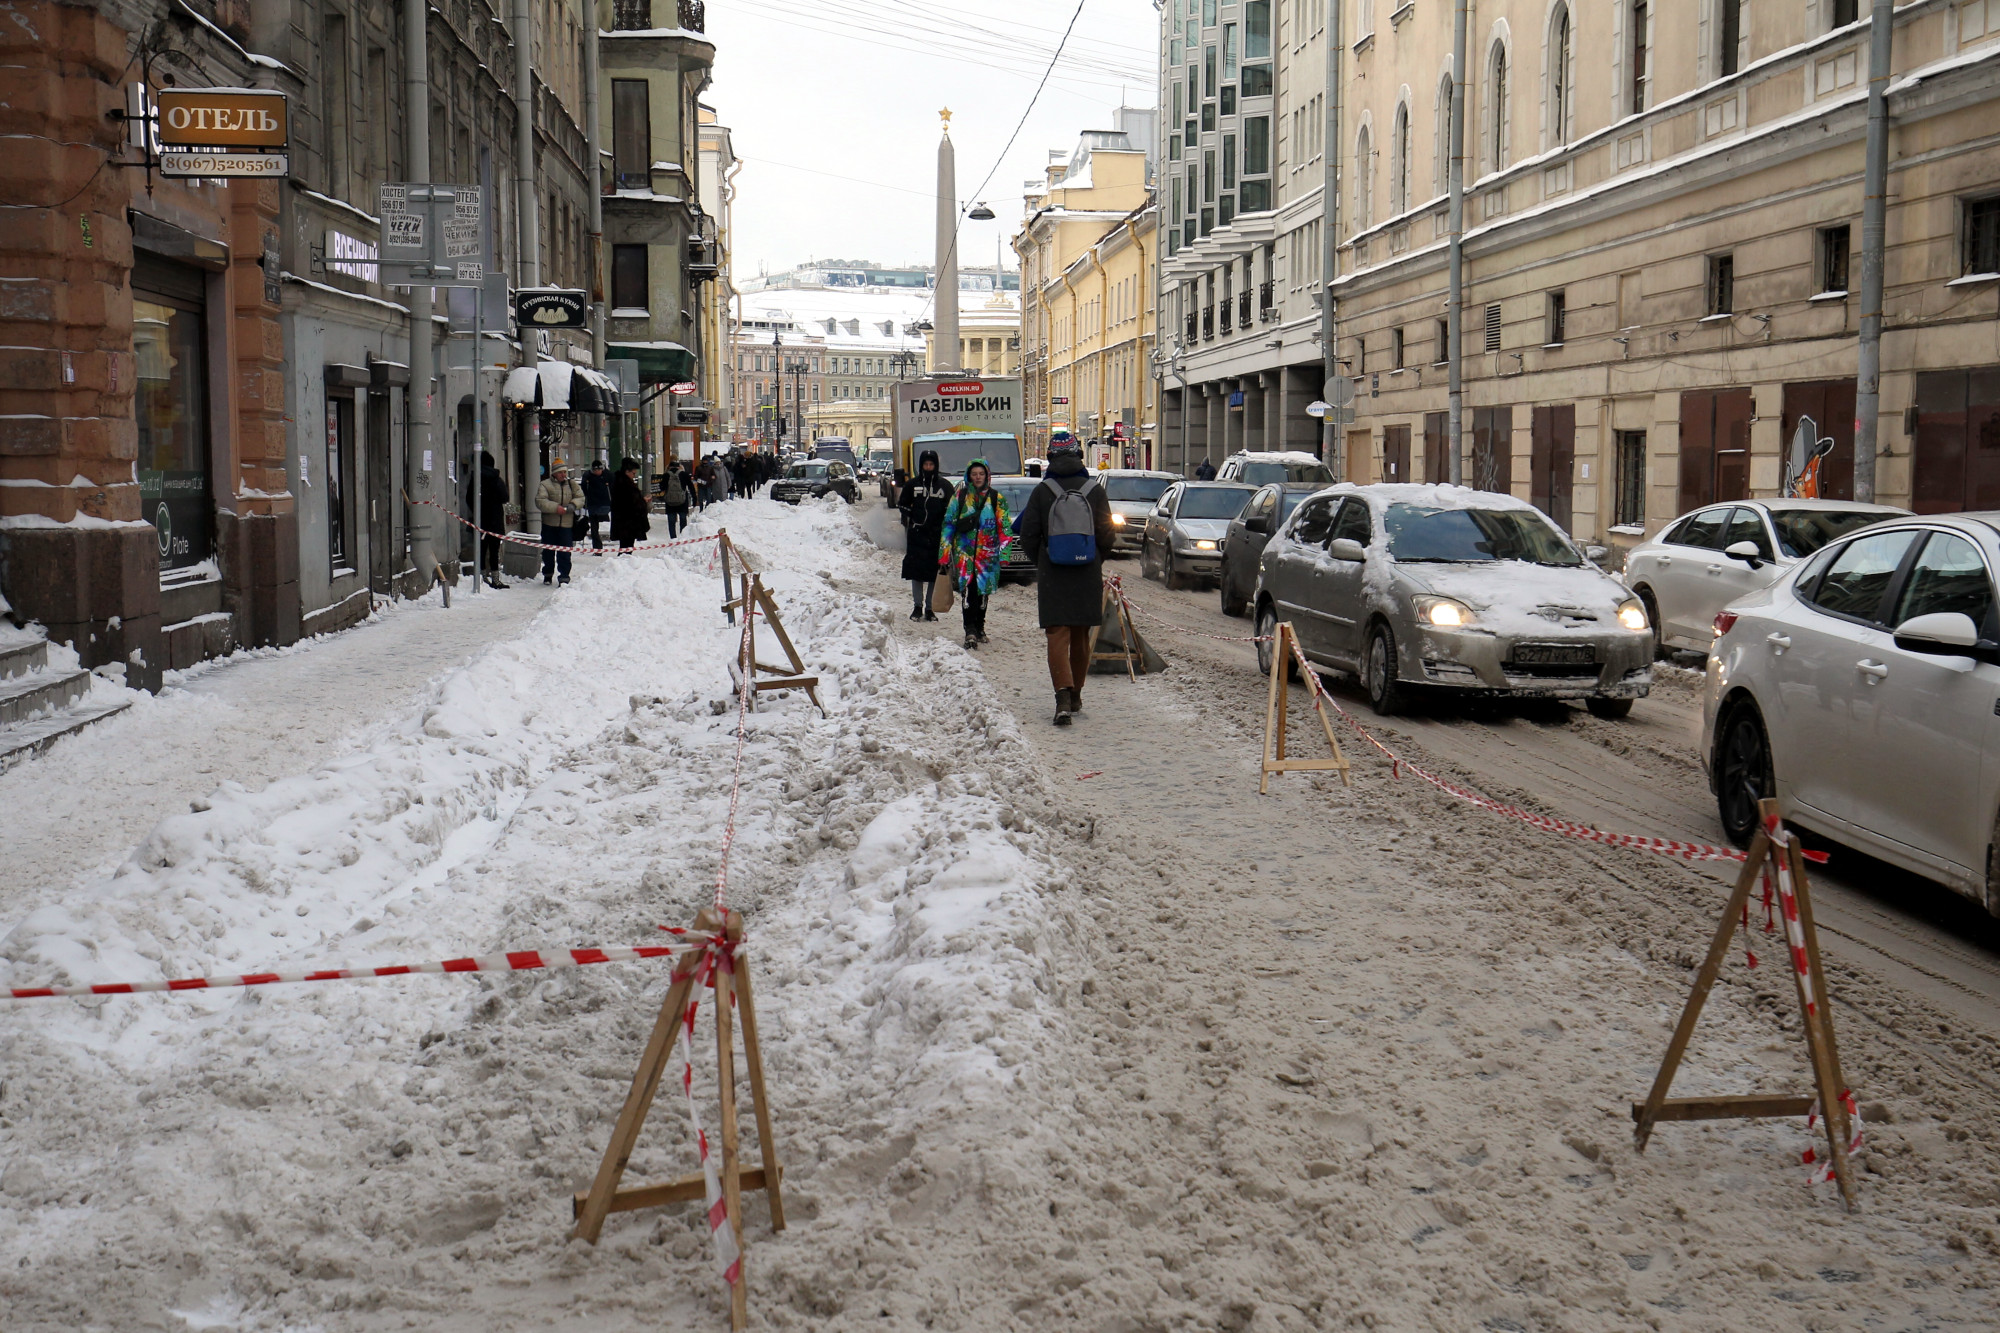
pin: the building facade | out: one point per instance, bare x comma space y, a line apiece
1662, 263
1089, 270
717, 192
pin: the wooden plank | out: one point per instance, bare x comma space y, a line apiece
1760, 850
639, 1100
1271, 708
687, 1189
732, 1163
791, 683
767, 1143
1819, 1030
1305, 765
1339, 755
778, 628
1731, 1107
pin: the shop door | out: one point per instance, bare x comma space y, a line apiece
384, 535
1396, 454
1830, 404
1492, 450
1360, 457
170, 403
1957, 449
1552, 462
1715, 447
1437, 451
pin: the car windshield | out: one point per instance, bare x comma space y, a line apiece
1803, 531
1016, 493
1263, 474
1475, 535
1146, 490
1288, 501
806, 470
1212, 502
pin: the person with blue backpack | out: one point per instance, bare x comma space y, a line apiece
1065, 529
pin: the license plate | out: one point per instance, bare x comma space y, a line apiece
1554, 654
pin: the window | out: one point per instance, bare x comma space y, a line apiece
1631, 507
1441, 139
1443, 342
1229, 53
1833, 251
1225, 213
1352, 523
1207, 179
1228, 161
1396, 347
1860, 573
1208, 13
1636, 19
1257, 30
1399, 161
1256, 145
1364, 171
1982, 235
1360, 357
1496, 109
1722, 284
1228, 99
1208, 117
1746, 525
339, 458
170, 405
1256, 81
1209, 83
1314, 523
1729, 36
1559, 78
1558, 316
631, 135
1844, 12
1254, 196
1703, 530
339, 128
1947, 576
1493, 327
629, 286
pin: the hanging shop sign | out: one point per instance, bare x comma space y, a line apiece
222, 132
551, 308
432, 235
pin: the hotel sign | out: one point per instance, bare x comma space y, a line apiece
222, 132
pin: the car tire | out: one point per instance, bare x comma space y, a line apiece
1267, 642
1231, 606
1652, 605
1176, 581
1387, 694
1743, 774
1146, 567
1611, 710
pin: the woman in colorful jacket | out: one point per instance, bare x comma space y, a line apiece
975, 529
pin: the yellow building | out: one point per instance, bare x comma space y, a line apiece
1087, 283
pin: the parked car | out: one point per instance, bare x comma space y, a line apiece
1859, 691
1243, 547
1183, 535
815, 477
1415, 587
1133, 494
1704, 560
1258, 469
1014, 562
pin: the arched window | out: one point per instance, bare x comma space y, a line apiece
1399, 161
1441, 138
1364, 171
1496, 109
1562, 72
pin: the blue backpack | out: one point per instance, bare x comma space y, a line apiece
1072, 525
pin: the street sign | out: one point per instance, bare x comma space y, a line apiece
187, 164
552, 308
1343, 416
1339, 391
1317, 409
684, 388
240, 118
432, 235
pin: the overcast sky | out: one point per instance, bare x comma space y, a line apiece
833, 108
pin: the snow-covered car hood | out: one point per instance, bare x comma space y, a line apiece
1202, 529
1510, 595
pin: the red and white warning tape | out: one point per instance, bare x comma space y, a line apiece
521, 538
1117, 584
519, 960
718, 955
1823, 1171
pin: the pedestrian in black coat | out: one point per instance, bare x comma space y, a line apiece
629, 523
491, 515
922, 503
596, 500
1070, 598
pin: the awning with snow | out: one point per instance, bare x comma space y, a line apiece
659, 362
558, 386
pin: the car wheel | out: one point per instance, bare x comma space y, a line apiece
1743, 774
1611, 710
1231, 606
1176, 580
1146, 569
1267, 642
1652, 605
1386, 694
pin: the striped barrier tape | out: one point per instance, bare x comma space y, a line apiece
518, 960
1823, 1170
520, 539
1117, 583
717, 955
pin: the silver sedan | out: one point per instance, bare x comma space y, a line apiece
1442, 586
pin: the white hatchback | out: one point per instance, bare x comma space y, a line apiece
1703, 561
1863, 692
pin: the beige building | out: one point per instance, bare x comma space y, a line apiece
1662, 272
1088, 267
717, 177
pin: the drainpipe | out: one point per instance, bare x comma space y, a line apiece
1329, 209
418, 448
1455, 305
1874, 207
523, 28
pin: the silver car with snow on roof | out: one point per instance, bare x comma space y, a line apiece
1414, 587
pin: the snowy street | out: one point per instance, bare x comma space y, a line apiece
1064, 1028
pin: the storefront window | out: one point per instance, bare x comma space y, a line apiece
169, 346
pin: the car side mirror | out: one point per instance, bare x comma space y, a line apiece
1595, 553
1258, 523
1746, 552
1940, 634
1346, 548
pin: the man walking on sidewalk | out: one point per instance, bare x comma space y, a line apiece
561, 502
596, 500
492, 512
1066, 529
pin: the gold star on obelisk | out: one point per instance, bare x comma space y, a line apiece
945, 115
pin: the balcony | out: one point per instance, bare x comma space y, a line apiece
1193, 327
694, 15
1243, 309
1228, 307
631, 15
1267, 302
1208, 324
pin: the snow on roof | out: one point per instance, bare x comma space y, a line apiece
1426, 495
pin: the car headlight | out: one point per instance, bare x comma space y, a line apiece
1204, 545
1632, 614
1118, 520
1444, 612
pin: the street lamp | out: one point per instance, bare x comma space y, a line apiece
797, 370
905, 363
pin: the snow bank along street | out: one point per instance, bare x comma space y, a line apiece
1137, 1051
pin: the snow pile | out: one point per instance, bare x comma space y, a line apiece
362, 1154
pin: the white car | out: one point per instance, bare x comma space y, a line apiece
1261, 469
1862, 691
1703, 561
